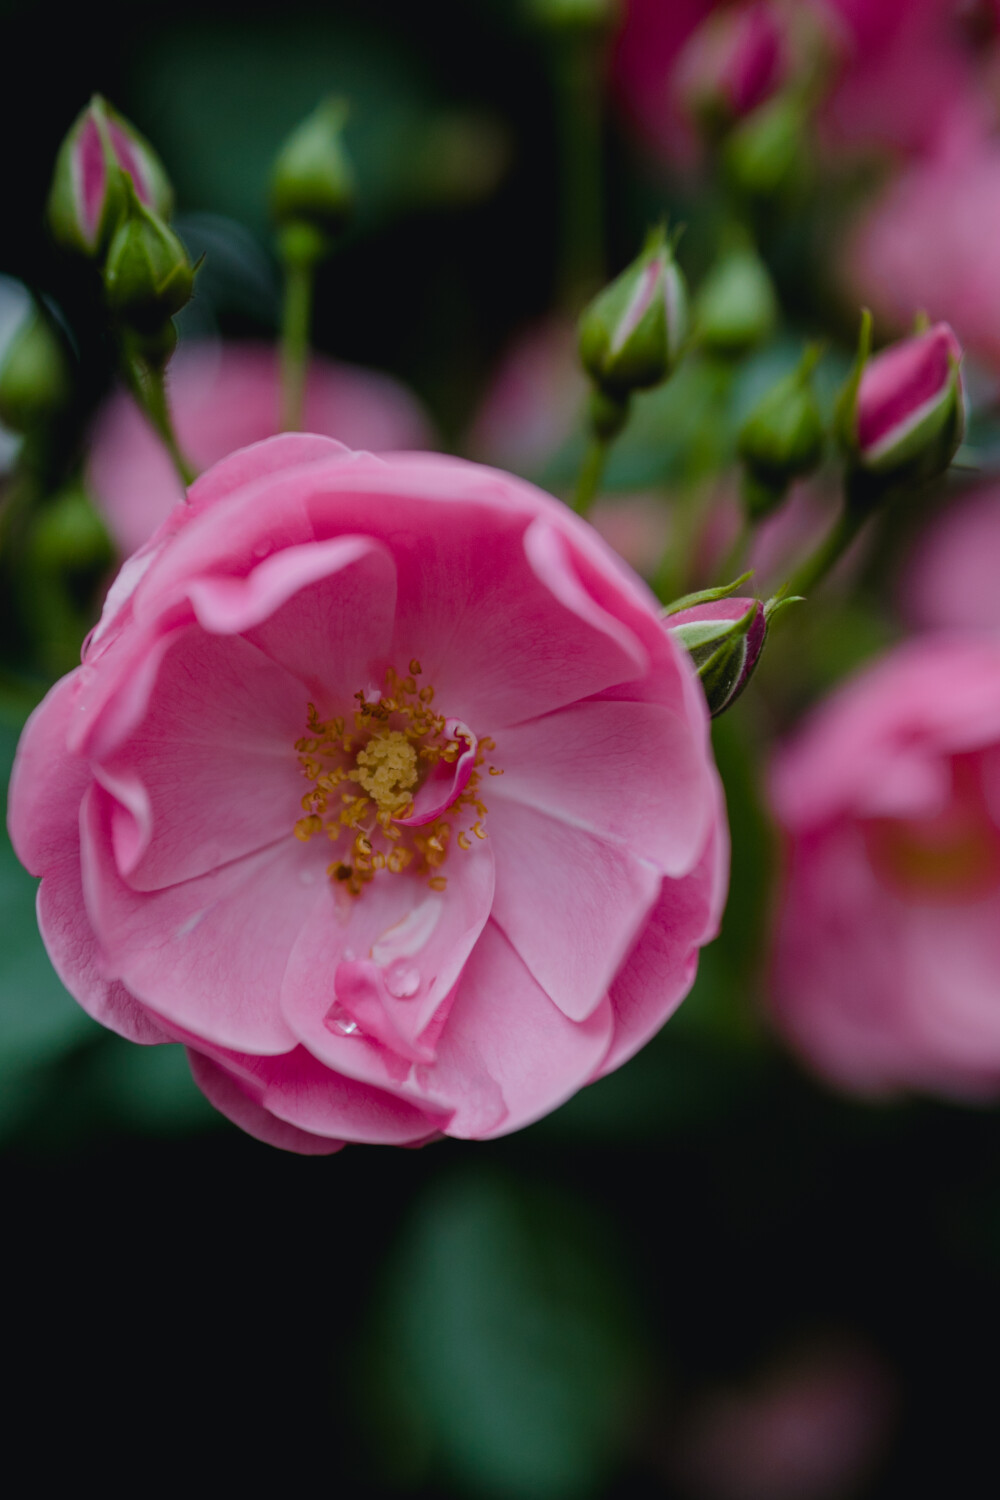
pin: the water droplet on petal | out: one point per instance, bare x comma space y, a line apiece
402, 981
340, 1021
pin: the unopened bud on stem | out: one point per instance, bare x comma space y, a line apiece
148, 276
312, 185
901, 415
632, 334
88, 198
34, 378
781, 440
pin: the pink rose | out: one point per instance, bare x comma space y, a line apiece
223, 397
886, 966
383, 788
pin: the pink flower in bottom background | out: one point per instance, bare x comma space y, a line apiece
886, 970
381, 786
811, 1425
223, 397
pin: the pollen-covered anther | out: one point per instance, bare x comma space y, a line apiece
366, 783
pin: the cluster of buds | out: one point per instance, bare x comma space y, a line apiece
634, 331
110, 201
749, 77
901, 415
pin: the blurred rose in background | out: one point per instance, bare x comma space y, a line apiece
226, 396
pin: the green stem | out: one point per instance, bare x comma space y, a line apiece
731, 564
295, 321
578, 62
591, 473
149, 386
814, 568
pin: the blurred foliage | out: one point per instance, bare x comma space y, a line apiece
503, 1351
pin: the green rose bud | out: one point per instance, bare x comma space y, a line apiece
632, 334
148, 276
312, 184
736, 308
781, 440
34, 376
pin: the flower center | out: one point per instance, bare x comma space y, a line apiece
385, 776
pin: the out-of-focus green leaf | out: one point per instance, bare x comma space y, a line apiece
504, 1356
146, 1089
38, 1019
224, 98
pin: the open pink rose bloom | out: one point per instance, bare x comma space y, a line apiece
383, 788
887, 953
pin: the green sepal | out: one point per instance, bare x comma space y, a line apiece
705, 596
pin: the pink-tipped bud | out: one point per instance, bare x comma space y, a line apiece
724, 638
737, 58
633, 333
87, 201
901, 414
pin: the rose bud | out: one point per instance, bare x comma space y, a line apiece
148, 274
632, 333
765, 156
34, 379
901, 415
724, 639
733, 61
781, 440
87, 200
312, 184
736, 308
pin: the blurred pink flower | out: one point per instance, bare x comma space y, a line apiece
223, 397
383, 788
534, 399
928, 243
636, 526
886, 964
904, 69
808, 1428
950, 581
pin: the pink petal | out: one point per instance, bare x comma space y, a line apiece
416, 941
661, 967
571, 905
71, 945
43, 826
508, 1055
209, 954
446, 782
302, 1092
631, 773
323, 611
494, 652
209, 773
222, 1091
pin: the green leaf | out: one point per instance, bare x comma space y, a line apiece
504, 1357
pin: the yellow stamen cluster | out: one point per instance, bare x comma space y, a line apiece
364, 772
